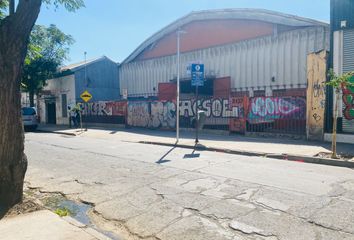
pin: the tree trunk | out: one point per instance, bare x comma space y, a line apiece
31, 98
334, 132
14, 35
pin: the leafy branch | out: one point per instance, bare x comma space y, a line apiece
338, 82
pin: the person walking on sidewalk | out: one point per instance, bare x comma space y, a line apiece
77, 117
72, 116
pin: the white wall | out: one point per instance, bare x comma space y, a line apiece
57, 87
25, 101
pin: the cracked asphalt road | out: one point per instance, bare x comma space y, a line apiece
151, 192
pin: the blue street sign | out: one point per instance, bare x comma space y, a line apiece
198, 75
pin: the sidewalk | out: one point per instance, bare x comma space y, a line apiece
299, 150
45, 225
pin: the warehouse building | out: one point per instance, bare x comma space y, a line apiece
257, 54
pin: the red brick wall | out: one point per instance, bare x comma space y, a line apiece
207, 33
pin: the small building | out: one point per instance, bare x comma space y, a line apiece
342, 61
98, 76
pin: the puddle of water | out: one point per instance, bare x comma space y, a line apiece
79, 211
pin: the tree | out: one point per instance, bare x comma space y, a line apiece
15, 30
3, 5
338, 82
47, 50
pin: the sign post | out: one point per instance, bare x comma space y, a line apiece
197, 72
86, 97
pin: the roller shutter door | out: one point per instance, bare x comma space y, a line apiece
348, 65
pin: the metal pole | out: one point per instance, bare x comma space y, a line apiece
197, 116
86, 83
81, 120
178, 88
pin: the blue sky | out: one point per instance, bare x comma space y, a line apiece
116, 27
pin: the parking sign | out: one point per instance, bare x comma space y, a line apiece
198, 75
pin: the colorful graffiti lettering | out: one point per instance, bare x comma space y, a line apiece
232, 114
219, 108
268, 109
152, 114
103, 108
348, 100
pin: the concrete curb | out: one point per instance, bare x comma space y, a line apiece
57, 132
287, 157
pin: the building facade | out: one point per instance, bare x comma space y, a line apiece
342, 61
251, 53
98, 76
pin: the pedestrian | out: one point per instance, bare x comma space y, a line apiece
71, 117
77, 117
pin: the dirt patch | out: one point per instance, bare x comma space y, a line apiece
29, 204
344, 157
26, 206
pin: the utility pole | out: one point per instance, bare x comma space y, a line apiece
179, 32
86, 83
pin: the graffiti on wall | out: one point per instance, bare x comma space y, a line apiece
104, 108
348, 100
228, 114
218, 108
162, 114
152, 114
268, 109
316, 94
138, 114
238, 124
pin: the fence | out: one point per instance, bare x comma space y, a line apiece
242, 114
277, 114
113, 112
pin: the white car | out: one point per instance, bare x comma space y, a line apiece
29, 118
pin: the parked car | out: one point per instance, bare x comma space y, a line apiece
29, 118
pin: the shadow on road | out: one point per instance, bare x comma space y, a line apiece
193, 154
162, 160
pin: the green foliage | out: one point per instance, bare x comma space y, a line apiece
47, 50
49, 43
339, 81
62, 212
70, 5
3, 6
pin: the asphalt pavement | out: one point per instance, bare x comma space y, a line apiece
160, 192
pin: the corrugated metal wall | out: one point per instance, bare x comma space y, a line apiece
102, 81
348, 65
250, 64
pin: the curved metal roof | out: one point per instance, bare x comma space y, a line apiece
241, 13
